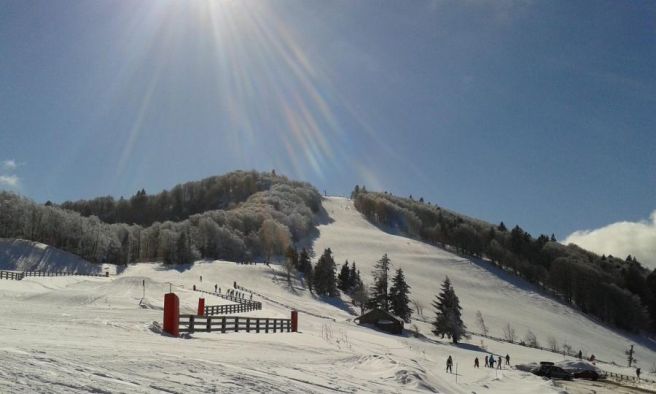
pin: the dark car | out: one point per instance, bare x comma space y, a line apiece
586, 374
548, 370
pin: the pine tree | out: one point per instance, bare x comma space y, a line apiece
379, 295
344, 278
305, 266
324, 275
398, 294
448, 319
354, 276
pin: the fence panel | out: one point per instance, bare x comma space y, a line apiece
223, 324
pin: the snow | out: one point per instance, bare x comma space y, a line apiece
95, 334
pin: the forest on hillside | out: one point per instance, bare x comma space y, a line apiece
620, 292
239, 216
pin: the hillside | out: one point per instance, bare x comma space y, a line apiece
22, 255
99, 334
501, 297
239, 216
619, 292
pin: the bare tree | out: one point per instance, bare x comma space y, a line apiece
481, 323
360, 297
509, 333
530, 339
419, 308
553, 344
567, 348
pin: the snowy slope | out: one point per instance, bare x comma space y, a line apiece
501, 298
78, 334
71, 334
22, 255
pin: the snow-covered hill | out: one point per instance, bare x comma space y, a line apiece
22, 255
77, 334
501, 297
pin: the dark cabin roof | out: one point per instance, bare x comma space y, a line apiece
383, 320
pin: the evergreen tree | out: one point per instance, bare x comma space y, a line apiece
305, 266
344, 278
379, 295
398, 294
354, 277
448, 314
304, 263
324, 275
502, 227
308, 276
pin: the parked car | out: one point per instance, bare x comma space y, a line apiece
548, 370
586, 374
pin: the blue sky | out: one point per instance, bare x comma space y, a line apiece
537, 113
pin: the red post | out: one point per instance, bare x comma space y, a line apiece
201, 307
294, 321
171, 314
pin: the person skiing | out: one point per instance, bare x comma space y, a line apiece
487, 363
507, 359
449, 364
216, 287
201, 279
491, 361
476, 362
638, 373
580, 355
499, 363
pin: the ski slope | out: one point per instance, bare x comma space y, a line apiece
82, 334
501, 297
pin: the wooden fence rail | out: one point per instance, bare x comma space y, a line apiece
237, 299
11, 275
232, 308
43, 273
223, 324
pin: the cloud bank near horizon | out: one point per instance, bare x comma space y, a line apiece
621, 239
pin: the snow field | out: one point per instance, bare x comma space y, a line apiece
81, 334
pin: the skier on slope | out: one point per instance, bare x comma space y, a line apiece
449, 364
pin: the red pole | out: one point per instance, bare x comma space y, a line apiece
294, 321
171, 314
201, 307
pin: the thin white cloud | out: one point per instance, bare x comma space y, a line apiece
9, 180
9, 165
621, 239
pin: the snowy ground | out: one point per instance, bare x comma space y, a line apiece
80, 334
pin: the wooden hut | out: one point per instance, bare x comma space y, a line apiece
383, 320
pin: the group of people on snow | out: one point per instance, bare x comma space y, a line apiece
490, 362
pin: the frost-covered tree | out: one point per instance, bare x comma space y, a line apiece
448, 314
